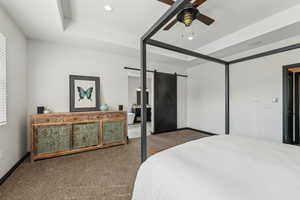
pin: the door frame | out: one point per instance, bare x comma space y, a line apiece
286, 137
296, 104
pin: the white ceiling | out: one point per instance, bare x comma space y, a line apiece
240, 25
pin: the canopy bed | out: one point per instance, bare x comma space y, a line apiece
218, 167
177, 7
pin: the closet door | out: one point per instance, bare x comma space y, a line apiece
165, 102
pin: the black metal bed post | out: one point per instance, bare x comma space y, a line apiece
266, 53
184, 51
144, 97
227, 91
162, 21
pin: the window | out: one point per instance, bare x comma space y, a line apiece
3, 95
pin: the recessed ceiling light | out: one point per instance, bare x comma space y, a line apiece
190, 38
108, 8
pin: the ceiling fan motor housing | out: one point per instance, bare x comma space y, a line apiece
187, 15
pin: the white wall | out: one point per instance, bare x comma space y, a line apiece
206, 96
13, 134
51, 64
253, 85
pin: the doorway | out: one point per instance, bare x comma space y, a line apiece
161, 100
134, 105
291, 112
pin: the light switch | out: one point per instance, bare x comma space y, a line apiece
275, 100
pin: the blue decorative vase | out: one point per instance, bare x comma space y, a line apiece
104, 107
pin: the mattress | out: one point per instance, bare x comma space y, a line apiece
221, 168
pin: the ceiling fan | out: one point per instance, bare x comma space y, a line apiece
188, 14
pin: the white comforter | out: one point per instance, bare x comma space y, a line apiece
221, 168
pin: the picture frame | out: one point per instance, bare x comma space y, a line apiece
84, 93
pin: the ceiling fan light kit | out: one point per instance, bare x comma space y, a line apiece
188, 14
188, 34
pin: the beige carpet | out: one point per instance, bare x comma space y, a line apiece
106, 174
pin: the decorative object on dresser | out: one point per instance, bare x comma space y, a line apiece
84, 93
47, 110
104, 107
59, 134
40, 109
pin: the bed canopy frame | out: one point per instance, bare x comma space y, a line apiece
146, 40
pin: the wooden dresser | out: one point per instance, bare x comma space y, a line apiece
59, 134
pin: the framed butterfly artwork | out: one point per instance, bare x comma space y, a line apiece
84, 93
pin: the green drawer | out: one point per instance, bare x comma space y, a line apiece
85, 135
53, 138
113, 132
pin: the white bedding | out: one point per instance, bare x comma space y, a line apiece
221, 168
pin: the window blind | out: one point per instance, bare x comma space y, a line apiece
3, 95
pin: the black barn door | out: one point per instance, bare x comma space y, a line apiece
165, 102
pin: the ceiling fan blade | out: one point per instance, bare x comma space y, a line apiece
170, 25
206, 20
198, 3
169, 2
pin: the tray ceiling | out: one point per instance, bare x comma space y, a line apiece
239, 26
